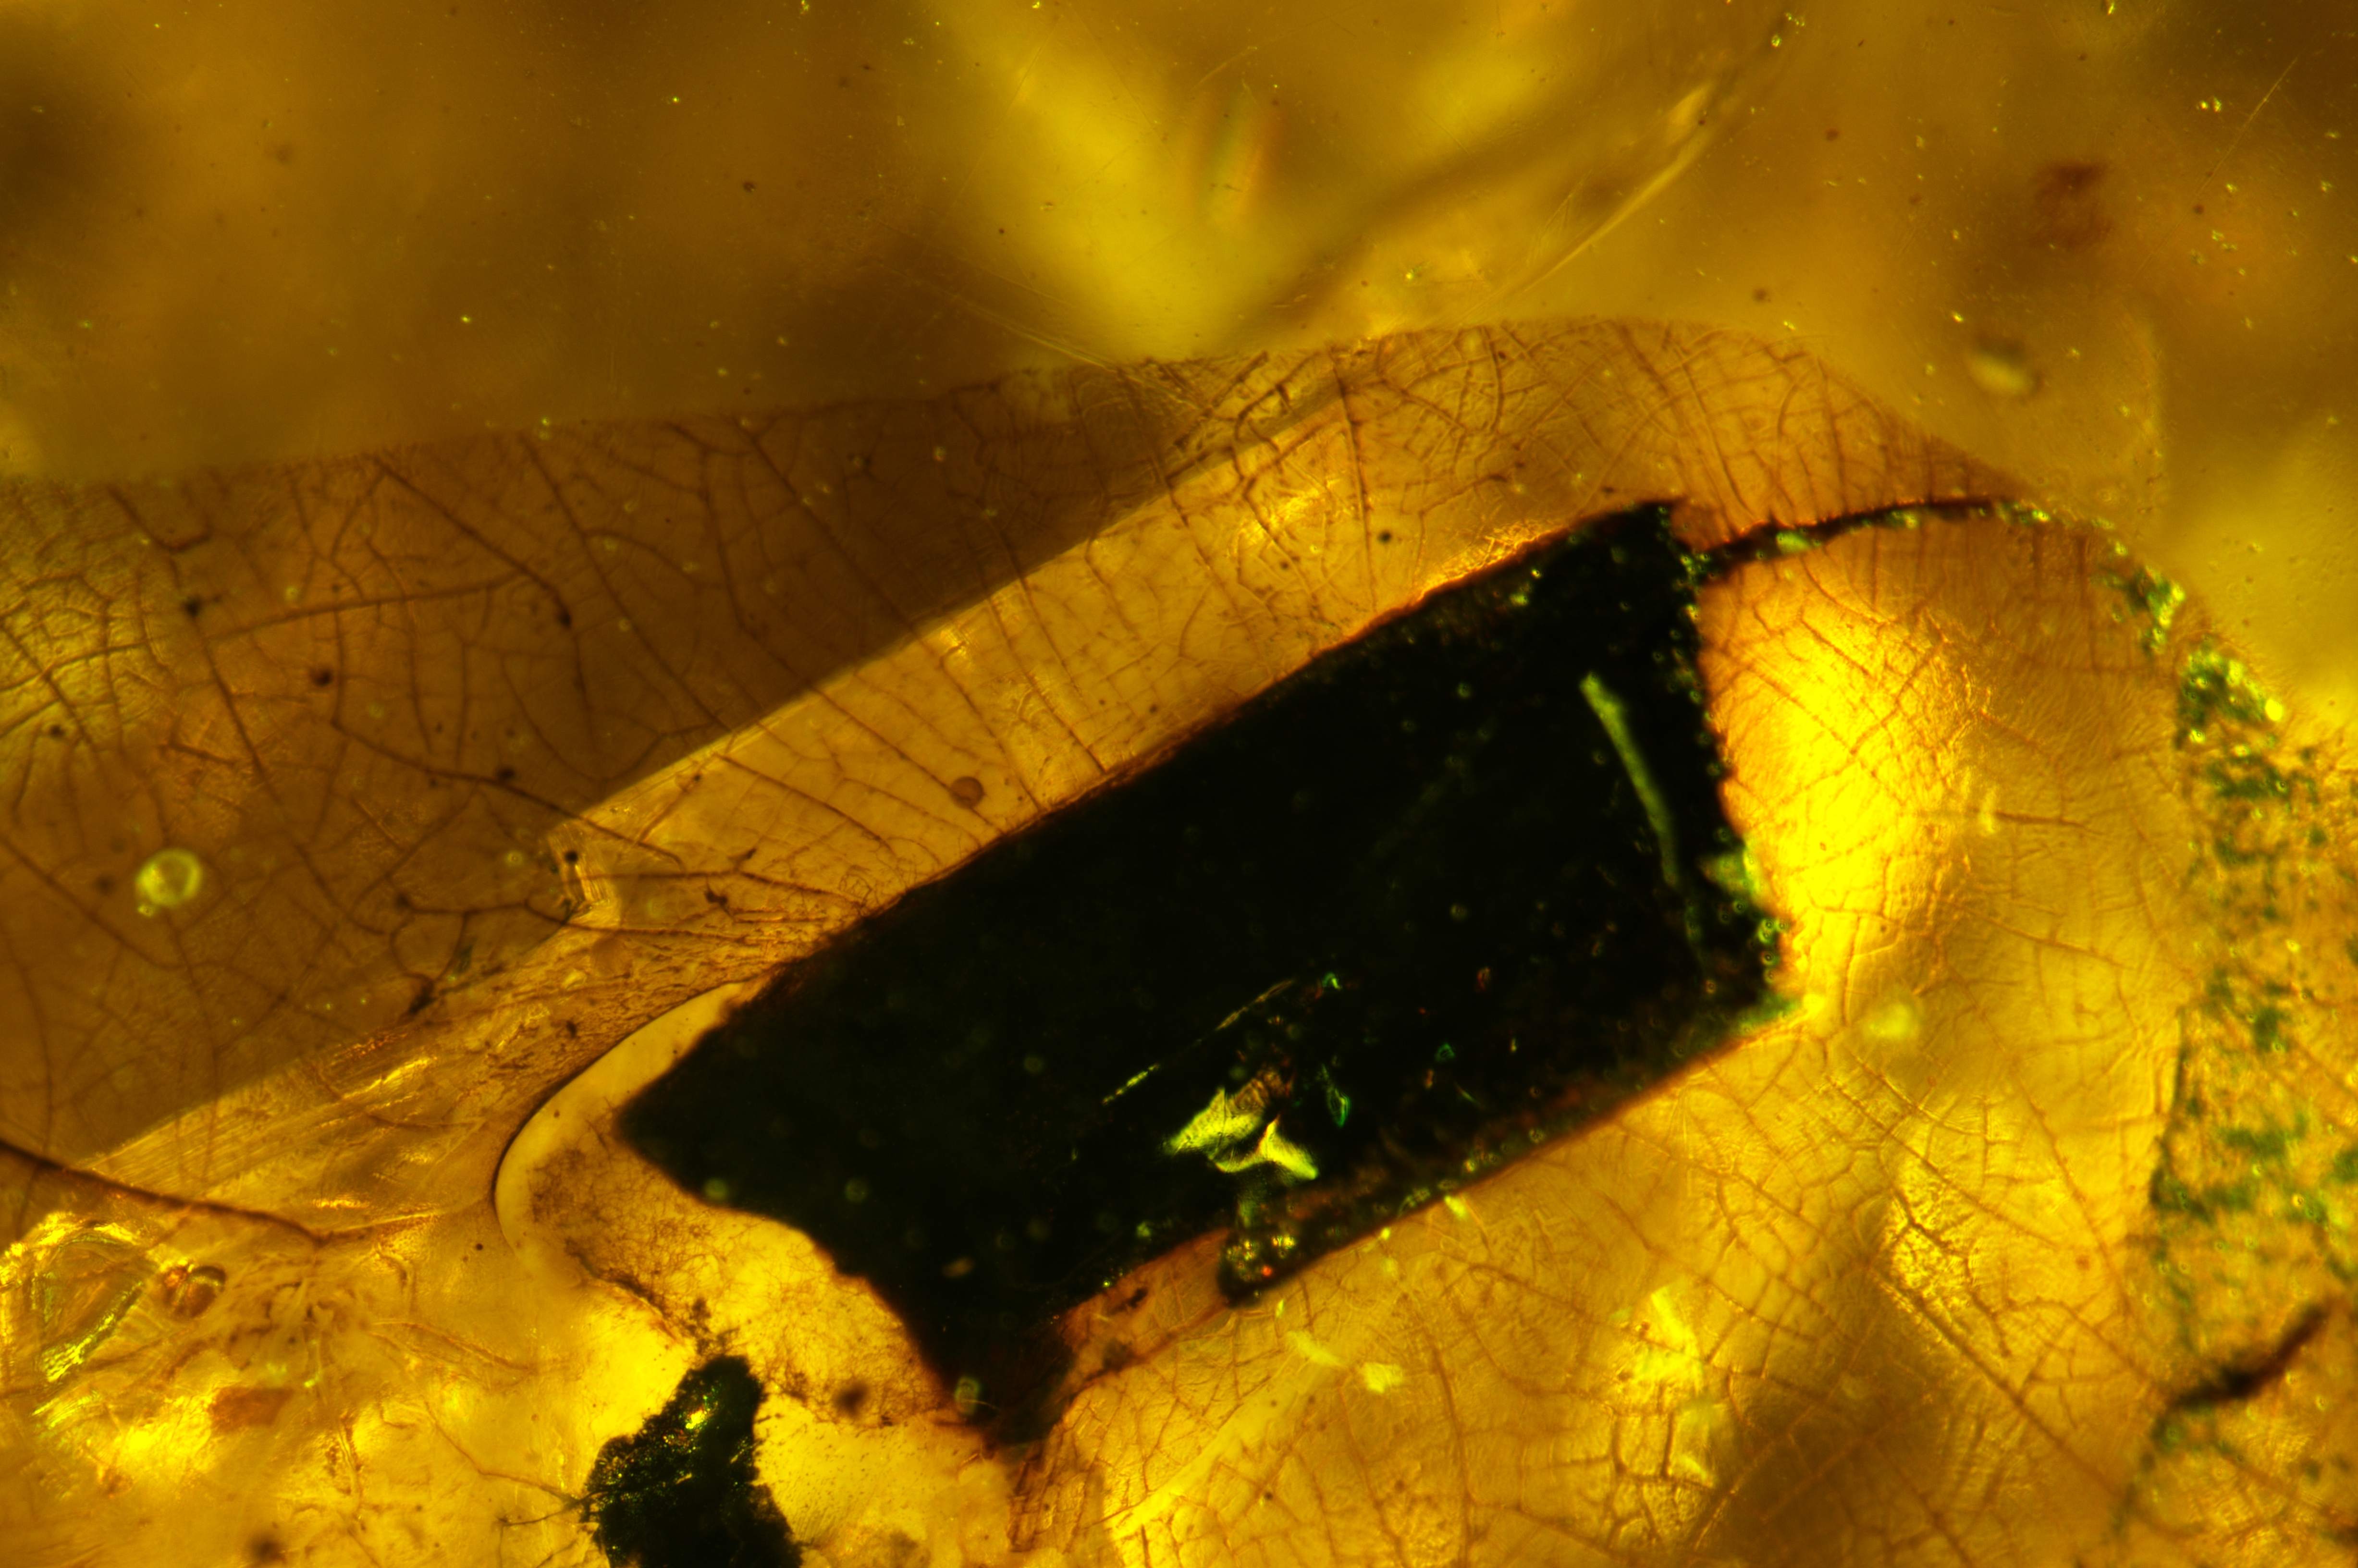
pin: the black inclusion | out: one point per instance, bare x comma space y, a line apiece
1410, 902
681, 1492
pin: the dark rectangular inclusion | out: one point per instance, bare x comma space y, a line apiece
1443, 892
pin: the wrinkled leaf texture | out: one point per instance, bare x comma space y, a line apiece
495, 751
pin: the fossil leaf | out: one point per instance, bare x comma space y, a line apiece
376, 828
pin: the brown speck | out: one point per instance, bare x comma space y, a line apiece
323, 677
1833, 136
265, 1548
851, 1399
505, 773
192, 607
749, 185
967, 790
2067, 201
189, 1291
235, 1409
1760, 295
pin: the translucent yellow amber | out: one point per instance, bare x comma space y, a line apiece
516, 523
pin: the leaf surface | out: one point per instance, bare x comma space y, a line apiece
354, 809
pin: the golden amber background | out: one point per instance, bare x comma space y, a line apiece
2105, 245
1884, 1283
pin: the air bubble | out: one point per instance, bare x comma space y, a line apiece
168, 879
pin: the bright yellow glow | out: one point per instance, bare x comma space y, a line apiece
168, 879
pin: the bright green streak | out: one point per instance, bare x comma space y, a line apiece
1616, 720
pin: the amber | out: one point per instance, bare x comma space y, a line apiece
519, 522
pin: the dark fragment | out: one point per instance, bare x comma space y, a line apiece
1442, 893
682, 1492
